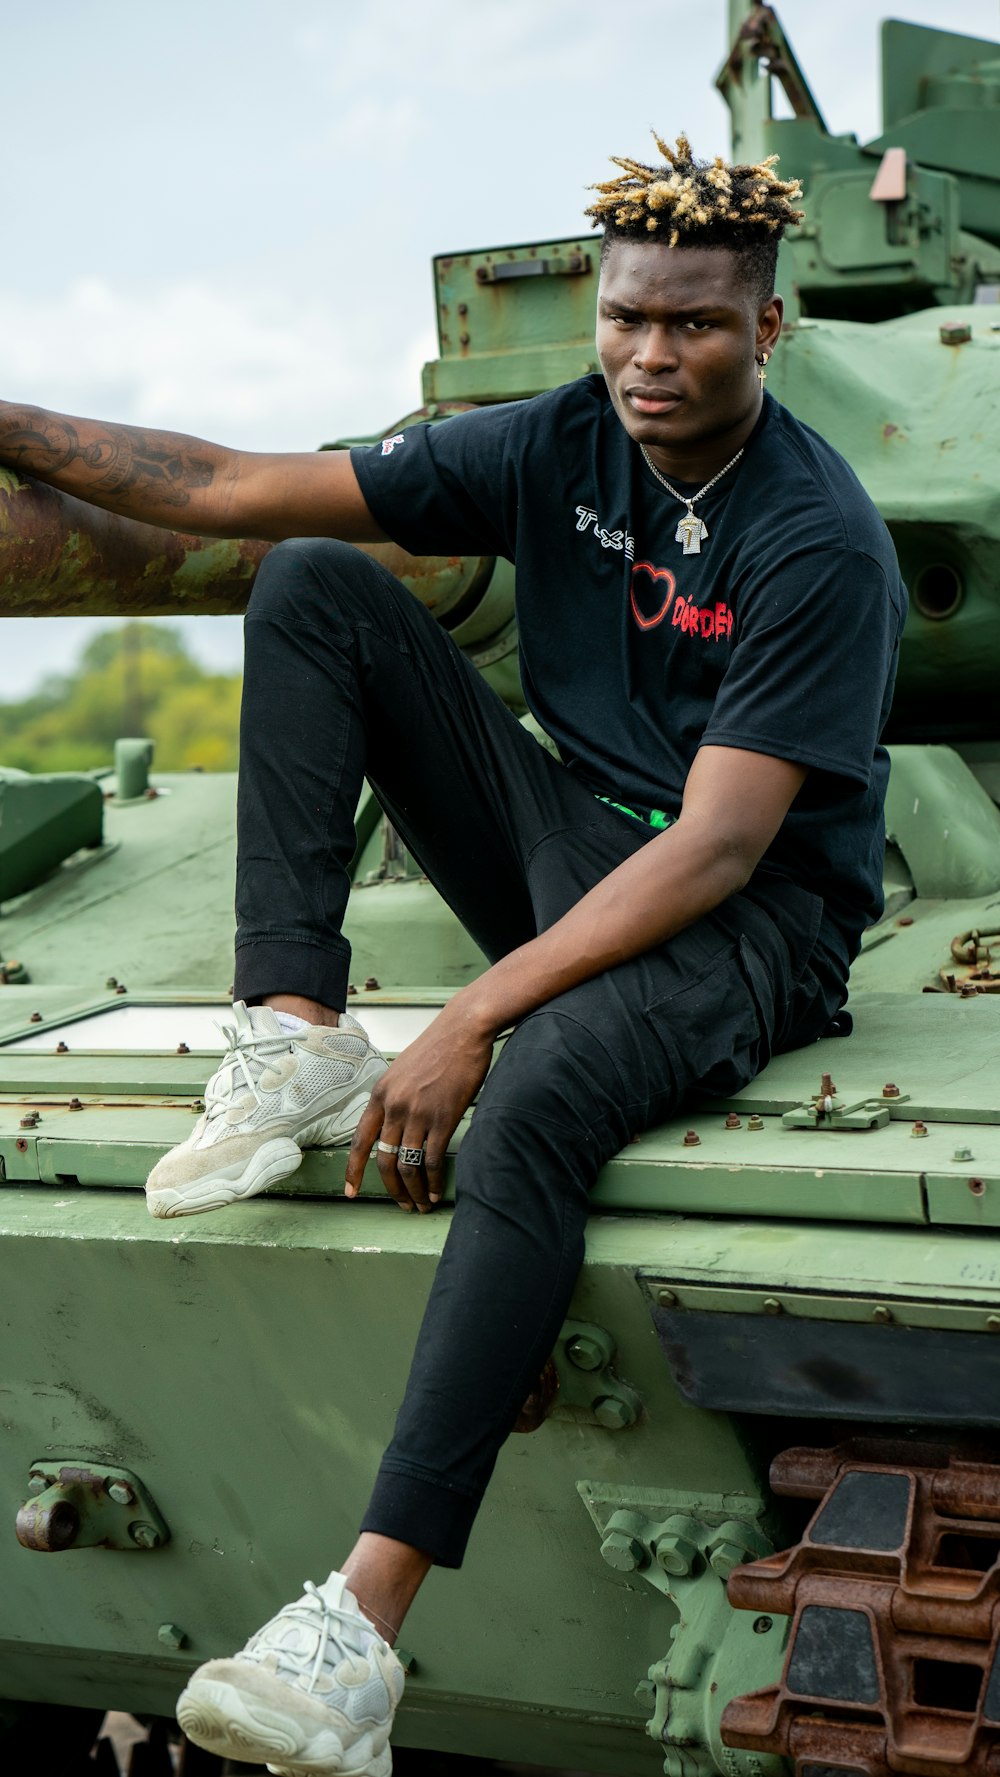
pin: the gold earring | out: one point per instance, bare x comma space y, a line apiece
761, 373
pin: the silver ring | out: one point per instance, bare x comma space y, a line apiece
386, 1147
411, 1156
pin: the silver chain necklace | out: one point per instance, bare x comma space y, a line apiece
692, 529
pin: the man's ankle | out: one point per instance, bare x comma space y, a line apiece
385, 1577
311, 1011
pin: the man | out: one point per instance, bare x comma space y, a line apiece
709, 610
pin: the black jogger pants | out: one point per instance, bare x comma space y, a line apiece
348, 675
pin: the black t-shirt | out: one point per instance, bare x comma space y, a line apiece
780, 637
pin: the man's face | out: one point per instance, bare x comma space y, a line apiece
677, 336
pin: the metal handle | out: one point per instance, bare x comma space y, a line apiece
505, 270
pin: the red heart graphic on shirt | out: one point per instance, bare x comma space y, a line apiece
646, 567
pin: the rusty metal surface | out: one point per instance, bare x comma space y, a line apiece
974, 967
893, 1660
449, 585
761, 38
62, 556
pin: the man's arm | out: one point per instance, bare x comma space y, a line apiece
734, 804
181, 483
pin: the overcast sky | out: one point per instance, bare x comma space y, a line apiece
219, 214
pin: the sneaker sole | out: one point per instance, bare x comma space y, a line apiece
233, 1725
379, 1766
274, 1160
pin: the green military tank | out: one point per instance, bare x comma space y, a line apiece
754, 1522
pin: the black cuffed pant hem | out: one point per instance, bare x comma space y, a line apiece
289, 965
427, 1514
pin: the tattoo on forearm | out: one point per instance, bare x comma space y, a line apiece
122, 459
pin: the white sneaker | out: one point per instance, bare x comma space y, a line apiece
313, 1692
273, 1095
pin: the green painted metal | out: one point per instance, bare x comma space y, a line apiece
245, 1368
255, 1432
42, 821
684, 1546
513, 320
945, 824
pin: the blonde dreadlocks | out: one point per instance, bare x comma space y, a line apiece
691, 203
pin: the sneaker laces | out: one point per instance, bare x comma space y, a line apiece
339, 1628
243, 1045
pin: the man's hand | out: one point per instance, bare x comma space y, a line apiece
417, 1104
734, 804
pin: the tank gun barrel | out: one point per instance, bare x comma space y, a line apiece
62, 557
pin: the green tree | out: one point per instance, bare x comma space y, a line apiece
135, 679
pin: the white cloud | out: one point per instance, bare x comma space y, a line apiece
246, 369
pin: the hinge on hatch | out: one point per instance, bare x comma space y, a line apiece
77, 1505
893, 1659
827, 1111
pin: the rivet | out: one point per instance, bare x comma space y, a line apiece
772, 1305
463, 308
881, 1313
692, 1139
585, 1354
977, 1186
724, 1557
890, 1089
144, 1536
463, 339
733, 1121
613, 1413
919, 1128
624, 1552
666, 1298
